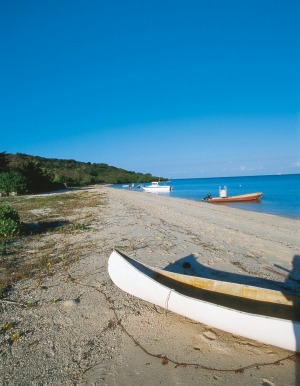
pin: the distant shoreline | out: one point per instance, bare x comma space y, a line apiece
258, 175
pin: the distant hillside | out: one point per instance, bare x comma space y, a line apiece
50, 173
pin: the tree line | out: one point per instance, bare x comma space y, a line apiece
21, 173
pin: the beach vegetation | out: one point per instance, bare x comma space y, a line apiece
28, 251
6, 327
16, 336
10, 224
4, 162
53, 300
21, 173
13, 182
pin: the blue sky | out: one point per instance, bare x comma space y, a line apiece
175, 88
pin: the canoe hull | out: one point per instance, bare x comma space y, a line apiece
139, 280
240, 198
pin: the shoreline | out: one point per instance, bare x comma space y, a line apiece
279, 192
96, 334
228, 205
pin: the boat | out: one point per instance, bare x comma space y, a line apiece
265, 315
156, 187
223, 197
239, 198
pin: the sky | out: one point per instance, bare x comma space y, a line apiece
179, 89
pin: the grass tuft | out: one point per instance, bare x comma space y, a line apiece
36, 254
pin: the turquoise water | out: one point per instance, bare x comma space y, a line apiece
281, 193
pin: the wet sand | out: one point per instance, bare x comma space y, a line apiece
95, 334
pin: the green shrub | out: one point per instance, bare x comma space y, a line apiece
13, 181
7, 212
10, 224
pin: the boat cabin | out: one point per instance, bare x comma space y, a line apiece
223, 192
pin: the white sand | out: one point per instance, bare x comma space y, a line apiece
98, 335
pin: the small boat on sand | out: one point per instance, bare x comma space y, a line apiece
156, 187
265, 315
240, 198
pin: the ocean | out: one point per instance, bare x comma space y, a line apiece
281, 193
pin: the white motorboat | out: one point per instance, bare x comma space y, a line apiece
156, 187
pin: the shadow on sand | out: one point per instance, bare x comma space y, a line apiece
44, 226
190, 266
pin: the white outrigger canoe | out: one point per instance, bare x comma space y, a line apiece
265, 315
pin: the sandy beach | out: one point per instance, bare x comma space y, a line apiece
83, 330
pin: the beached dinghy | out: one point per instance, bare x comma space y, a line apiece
261, 314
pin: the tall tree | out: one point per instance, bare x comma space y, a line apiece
38, 179
4, 162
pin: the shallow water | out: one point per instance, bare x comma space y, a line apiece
281, 193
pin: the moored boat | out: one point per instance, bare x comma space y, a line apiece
156, 187
239, 198
268, 316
